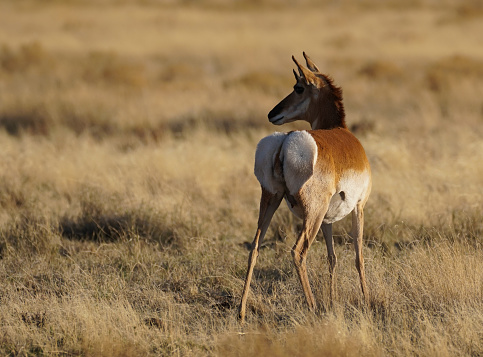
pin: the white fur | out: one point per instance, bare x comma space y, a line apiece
267, 150
299, 154
354, 185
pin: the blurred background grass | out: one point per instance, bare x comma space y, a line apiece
127, 195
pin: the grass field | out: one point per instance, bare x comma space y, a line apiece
127, 196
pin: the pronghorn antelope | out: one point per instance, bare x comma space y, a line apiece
323, 174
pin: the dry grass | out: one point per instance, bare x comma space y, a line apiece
127, 197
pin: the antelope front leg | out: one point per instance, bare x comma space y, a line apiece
356, 233
268, 205
332, 258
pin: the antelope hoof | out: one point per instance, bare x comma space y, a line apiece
241, 315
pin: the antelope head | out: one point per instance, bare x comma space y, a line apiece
314, 99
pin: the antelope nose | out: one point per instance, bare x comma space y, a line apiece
271, 114
274, 112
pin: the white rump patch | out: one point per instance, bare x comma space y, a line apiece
299, 154
265, 155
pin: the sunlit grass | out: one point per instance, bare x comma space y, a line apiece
127, 194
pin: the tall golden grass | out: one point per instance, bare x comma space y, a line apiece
127, 195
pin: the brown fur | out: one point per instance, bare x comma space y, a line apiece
329, 105
339, 151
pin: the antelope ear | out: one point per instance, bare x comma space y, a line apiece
311, 65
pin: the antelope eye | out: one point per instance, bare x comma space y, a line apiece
298, 89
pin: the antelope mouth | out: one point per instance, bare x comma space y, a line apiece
276, 119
